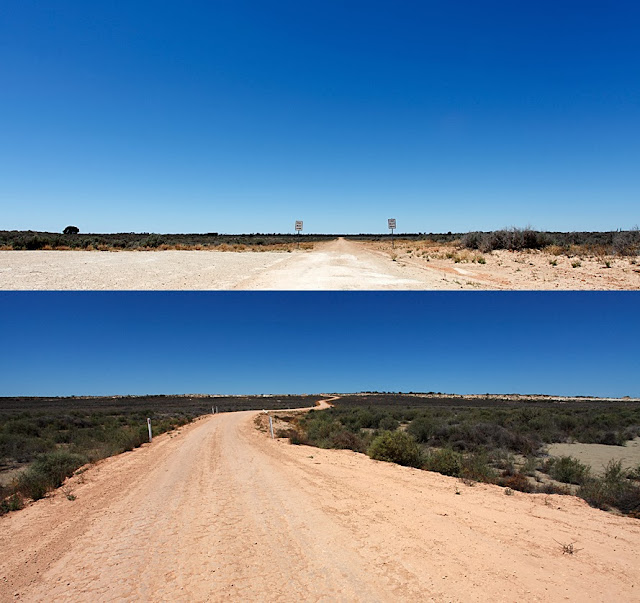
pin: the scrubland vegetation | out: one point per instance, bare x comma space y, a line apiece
620, 243
600, 244
500, 443
32, 240
45, 440
588, 244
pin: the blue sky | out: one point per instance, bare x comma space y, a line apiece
243, 116
104, 343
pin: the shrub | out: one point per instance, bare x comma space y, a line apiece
445, 461
12, 503
476, 467
388, 423
396, 447
422, 429
613, 489
554, 489
349, 441
48, 472
568, 470
517, 482
507, 238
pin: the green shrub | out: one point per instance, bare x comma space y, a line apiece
476, 467
349, 441
445, 461
47, 472
422, 429
396, 447
613, 489
568, 470
12, 503
388, 423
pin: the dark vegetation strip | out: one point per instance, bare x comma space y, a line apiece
501, 444
606, 242
625, 242
32, 240
51, 438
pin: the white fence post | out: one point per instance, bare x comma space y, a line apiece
149, 426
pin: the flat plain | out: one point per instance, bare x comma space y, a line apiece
217, 509
325, 265
220, 510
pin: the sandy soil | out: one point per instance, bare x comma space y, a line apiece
598, 455
525, 270
334, 265
221, 511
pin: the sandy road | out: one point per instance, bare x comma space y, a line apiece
220, 511
344, 265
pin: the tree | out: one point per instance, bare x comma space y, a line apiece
71, 230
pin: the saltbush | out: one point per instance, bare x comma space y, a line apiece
396, 447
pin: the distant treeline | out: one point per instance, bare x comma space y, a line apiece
28, 239
193, 405
622, 242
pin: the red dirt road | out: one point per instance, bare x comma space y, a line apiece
220, 511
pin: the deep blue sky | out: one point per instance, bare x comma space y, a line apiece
244, 115
248, 342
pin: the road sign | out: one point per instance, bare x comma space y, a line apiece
298, 225
392, 223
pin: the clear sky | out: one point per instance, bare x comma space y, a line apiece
245, 115
103, 343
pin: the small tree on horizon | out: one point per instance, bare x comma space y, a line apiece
71, 230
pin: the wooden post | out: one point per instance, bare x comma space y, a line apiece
271, 426
149, 426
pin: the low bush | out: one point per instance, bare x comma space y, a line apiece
517, 481
11, 503
568, 470
396, 447
476, 467
48, 472
348, 441
446, 461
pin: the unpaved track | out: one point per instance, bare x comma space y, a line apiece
345, 265
222, 512
335, 265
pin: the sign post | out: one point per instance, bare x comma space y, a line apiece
298, 230
149, 426
392, 226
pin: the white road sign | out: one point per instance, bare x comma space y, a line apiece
392, 223
298, 224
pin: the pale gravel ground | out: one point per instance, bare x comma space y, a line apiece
144, 270
334, 265
220, 511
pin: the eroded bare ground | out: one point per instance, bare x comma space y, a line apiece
334, 265
221, 511
519, 270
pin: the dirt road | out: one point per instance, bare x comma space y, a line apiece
335, 265
221, 511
